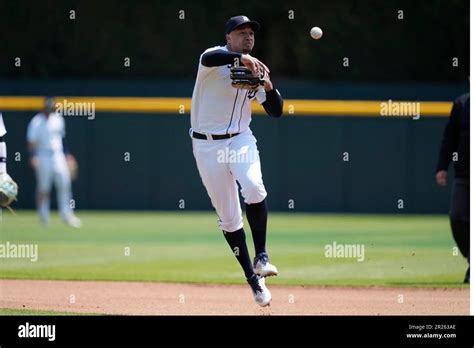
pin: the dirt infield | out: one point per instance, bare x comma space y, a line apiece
136, 298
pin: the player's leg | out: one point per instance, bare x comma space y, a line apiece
247, 171
223, 192
44, 178
459, 218
64, 194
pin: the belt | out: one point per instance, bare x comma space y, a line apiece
214, 136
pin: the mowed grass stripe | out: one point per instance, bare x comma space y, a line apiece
188, 247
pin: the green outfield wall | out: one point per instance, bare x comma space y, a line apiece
144, 161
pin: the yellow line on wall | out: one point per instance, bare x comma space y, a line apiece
293, 107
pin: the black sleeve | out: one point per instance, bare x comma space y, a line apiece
218, 58
450, 137
273, 105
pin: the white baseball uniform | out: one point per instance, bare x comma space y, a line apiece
217, 109
47, 134
3, 147
3, 131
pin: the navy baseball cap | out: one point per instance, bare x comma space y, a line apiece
237, 21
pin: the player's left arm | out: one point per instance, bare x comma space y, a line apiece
3, 147
273, 103
67, 153
3, 155
70, 159
8, 187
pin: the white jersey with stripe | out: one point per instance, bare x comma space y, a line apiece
47, 133
217, 107
3, 130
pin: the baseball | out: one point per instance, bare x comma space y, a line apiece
316, 33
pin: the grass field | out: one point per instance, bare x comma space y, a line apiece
400, 250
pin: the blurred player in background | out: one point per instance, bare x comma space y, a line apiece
455, 148
52, 162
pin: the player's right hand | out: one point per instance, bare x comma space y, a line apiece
255, 65
441, 177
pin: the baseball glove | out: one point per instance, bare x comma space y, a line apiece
8, 190
242, 77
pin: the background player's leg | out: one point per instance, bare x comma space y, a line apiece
223, 191
43, 204
459, 217
460, 231
44, 173
63, 189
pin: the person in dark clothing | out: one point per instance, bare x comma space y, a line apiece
455, 148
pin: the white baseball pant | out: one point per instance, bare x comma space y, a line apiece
223, 162
53, 168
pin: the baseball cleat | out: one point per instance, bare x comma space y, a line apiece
261, 293
263, 267
73, 221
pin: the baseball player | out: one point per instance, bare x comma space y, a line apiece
8, 188
220, 119
455, 148
48, 157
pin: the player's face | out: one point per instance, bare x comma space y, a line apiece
241, 39
47, 111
